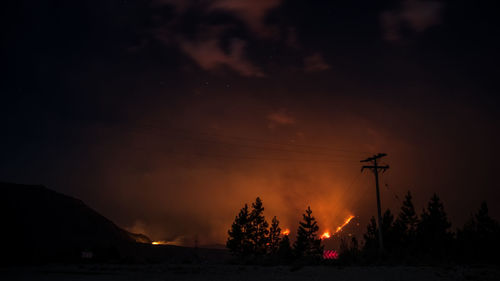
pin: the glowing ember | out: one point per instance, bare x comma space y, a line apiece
159, 243
325, 235
286, 231
330, 255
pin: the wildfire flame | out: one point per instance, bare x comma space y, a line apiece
327, 234
286, 232
346, 222
159, 243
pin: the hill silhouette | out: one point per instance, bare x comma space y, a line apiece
43, 225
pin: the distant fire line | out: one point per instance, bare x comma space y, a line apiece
327, 235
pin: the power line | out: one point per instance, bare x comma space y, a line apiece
270, 142
198, 139
343, 159
216, 135
267, 159
236, 156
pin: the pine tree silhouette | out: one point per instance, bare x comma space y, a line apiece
371, 230
274, 236
486, 226
371, 235
349, 249
371, 238
388, 231
285, 253
387, 221
479, 238
406, 224
239, 235
260, 227
433, 229
307, 243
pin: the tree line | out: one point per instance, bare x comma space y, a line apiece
252, 239
429, 237
408, 238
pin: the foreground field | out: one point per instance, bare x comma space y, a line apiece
235, 272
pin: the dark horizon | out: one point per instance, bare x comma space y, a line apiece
167, 115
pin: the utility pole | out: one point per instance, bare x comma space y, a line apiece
375, 169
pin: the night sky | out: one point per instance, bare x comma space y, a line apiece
166, 116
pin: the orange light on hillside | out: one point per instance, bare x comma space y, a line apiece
159, 243
346, 222
325, 235
286, 232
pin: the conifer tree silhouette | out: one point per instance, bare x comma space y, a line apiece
260, 228
307, 243
388, 230
371, 246
349, 249
371, 235
433, 229
285, 252
274, 236
239, 235
479, 238
371, 231
387, 221
406, 224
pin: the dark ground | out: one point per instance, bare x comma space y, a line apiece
97, 272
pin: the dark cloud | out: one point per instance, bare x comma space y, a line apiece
280, 117
315, 63
205, 46
253, 13
210, 56
415, 15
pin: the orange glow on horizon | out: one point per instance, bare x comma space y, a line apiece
286, 232
159, 243
325, 235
